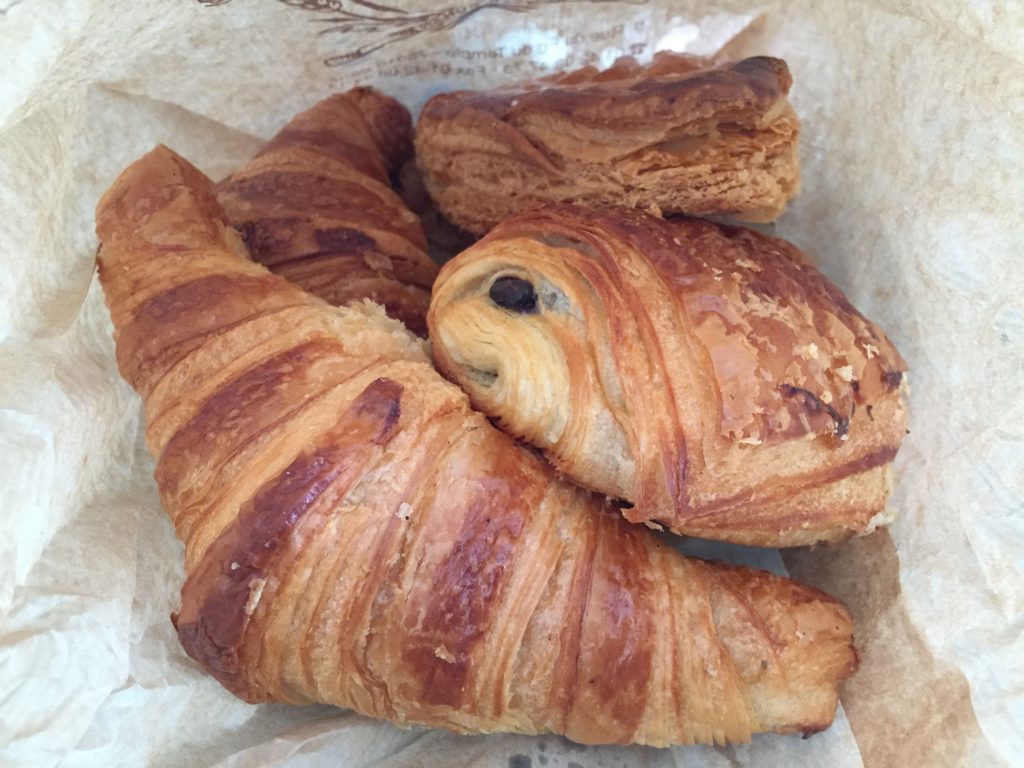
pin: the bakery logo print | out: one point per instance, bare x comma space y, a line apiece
380, 25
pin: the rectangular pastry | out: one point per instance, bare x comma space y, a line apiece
677, 136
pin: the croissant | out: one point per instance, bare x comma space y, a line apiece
679, 136
315, 206
709, 375
356, 535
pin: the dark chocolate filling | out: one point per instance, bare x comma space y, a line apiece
514, 293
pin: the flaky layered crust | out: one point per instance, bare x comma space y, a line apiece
316, 206
708, 374
677, 136
355, 534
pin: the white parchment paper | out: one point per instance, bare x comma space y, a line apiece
913, 202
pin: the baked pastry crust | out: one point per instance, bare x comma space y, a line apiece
680, 135
316, 206
708, 374
356, 535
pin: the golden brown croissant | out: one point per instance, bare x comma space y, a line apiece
678, 135
355, 534
315, 206
707, 374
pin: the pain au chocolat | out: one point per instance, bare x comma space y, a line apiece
709, 375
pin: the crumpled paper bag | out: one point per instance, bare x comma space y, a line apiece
912, 201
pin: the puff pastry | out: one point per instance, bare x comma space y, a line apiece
677, 136
356, 535
707, 374
315, 206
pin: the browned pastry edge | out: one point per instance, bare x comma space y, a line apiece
755, 83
